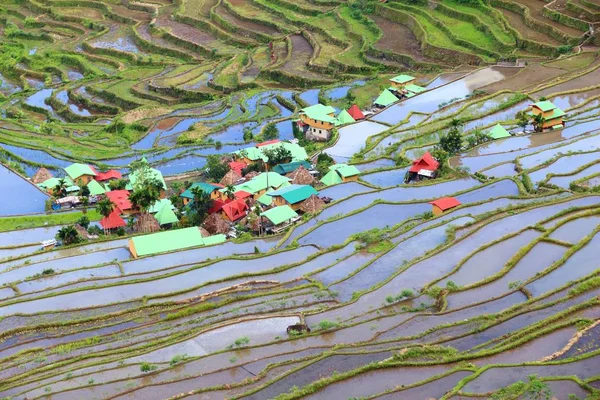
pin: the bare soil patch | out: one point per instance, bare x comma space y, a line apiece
587, 80
183, 31
207, 6
301, 53
399, 39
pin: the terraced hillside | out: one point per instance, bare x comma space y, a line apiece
497, 298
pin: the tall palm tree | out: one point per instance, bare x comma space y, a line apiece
60, 188
68, 235
105, 207
258, 211
539, 122
85, 201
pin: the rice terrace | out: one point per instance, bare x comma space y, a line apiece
285, 199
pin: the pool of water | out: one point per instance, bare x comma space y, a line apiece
386, 178
21, 197
352, 139
428, 102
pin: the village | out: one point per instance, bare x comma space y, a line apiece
258, 190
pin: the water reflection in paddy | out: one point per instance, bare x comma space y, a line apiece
428, 102
24, 197
182, 281
564, 165
386, 178
578, 265
565, 181
540, 257
380, 163
507, 169
352, 139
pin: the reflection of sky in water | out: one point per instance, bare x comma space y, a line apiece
24, 197
429, 101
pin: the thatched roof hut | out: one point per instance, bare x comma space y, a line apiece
146, 223
250, 175
204, 232
215, 224
312, 205
230, 178
41, 175
300, 176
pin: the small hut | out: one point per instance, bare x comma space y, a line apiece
301, 176
215, 224
41, 175
146, 223
250, 175
231, 178
312, 205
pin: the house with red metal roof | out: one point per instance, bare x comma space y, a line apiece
234, 210
120, 198
108, 175
355, 113
237, 166
113, 221
423, 167
444, 204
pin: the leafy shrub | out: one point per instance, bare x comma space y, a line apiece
147, 367
326, 324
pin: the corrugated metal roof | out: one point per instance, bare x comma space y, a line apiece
161, 242
278, 215
295, 193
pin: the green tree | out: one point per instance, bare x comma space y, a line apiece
85, 201
105, 207
271, 132
84, 191
279, 155
522, 120
68, 235
117, 184
452, 141
230, 191
60, 190
199, 206
538, 121
248, 136
84, 221
215, 168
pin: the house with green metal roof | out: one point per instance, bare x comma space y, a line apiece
287, 168
166, 216
173, 240
498, 132
50, 185
317, 121
331, 178
546, 115
208, 188
96, 188
345, 118
292, 195
400, 81
280, 217
159, 204
254, 154
413, 90
81, 174
258, 185
339, 173
385, 99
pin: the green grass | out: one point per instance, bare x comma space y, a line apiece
35, 221
485, 17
